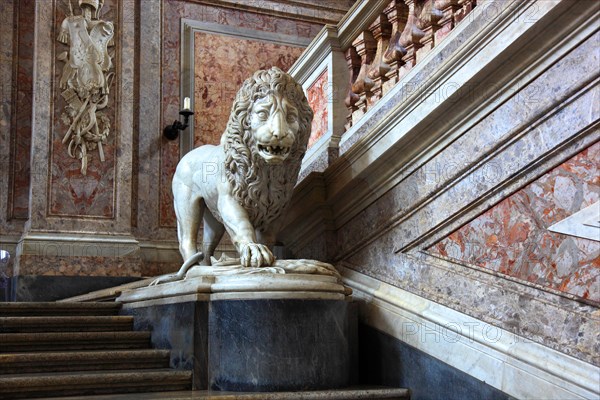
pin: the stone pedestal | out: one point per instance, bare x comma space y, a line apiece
252, 333
278, 345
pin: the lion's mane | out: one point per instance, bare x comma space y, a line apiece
263, 190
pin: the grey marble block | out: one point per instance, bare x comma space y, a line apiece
276, 344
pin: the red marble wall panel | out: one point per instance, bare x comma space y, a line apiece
71, 192
512, 237
173, 11
317, 98
23, 102
216, 83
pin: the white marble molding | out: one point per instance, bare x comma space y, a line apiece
511, 363
237, 287
584, 223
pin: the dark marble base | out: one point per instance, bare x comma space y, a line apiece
4, 289
51, 288
181, 328
278, 345
384, 360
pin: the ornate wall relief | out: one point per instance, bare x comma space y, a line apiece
86, 78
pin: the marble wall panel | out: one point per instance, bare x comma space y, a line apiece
72, 193
513, 238
318, 100
22, 102
216, 83
173, 11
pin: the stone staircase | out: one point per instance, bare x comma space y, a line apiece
78, 349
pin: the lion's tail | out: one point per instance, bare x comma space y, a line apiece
196, 258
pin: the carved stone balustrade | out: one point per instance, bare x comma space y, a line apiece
447, 22
361, 61
397, 14
466, 6
428, 23
365, 46
381, 30
410, 39
353, 60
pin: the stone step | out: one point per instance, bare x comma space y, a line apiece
28, 386
25, 363
63, 341
362, 393
57, 309
62, 324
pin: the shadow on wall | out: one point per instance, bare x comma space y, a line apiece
385, 360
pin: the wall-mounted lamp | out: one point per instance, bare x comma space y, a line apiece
171, 132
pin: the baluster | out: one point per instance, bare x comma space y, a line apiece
353, 60
381, 30
397, 14
447, 22
428, 23
410, 39
365, 47
466, 6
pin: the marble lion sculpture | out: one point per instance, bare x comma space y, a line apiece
243, 185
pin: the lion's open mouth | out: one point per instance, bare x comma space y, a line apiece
277, 151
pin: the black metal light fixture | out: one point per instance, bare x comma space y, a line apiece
171, 132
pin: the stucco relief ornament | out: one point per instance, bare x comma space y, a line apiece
86, 79
244, 185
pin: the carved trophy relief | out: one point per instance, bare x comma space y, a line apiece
86, 79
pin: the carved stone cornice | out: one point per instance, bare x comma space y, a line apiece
299, 10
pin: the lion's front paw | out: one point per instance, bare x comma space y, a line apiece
255, 255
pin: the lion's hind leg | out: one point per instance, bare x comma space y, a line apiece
213, 232
189, 210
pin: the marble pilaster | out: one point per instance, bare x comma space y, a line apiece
99, 201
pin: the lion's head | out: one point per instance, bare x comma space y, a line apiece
264, 142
